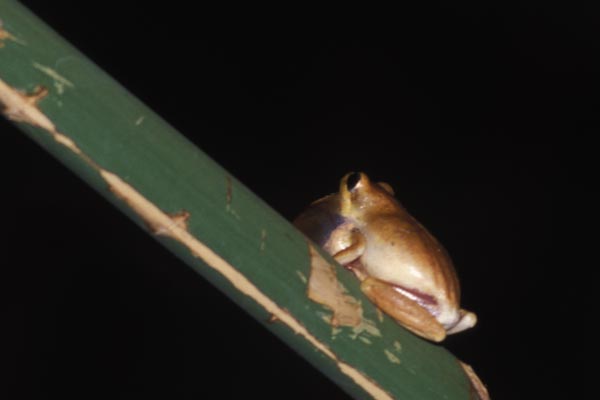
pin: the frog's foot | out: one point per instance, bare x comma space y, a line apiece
467, 320
406, 311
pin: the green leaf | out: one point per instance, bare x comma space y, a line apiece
215, 224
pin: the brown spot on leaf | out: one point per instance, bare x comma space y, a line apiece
325, 289
229, 197
179, 219
4, 35
228, 192
478, 389
22, 107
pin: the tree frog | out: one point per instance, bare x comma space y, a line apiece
403, 269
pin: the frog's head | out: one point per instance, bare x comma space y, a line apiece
361, 198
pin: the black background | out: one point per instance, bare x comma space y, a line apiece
457, 106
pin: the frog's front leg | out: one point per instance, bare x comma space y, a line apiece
406, 311
349, 256
354, 250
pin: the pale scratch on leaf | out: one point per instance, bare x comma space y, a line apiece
391, 357
263, 238
229, 198
366, 326
364, 340
63, 60
335, 331
139, 121
6, 35
60, 82
302, 277
379, 314
325, 317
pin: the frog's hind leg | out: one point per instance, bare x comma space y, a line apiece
406, 311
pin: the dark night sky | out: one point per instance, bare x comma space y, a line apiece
456, 105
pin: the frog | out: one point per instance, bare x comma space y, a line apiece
402, 268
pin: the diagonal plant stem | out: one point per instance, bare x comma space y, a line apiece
210, 220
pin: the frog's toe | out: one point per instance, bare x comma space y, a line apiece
467, 320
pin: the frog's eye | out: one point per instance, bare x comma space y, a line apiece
353, 180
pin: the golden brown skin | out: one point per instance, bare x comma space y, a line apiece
403, 269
